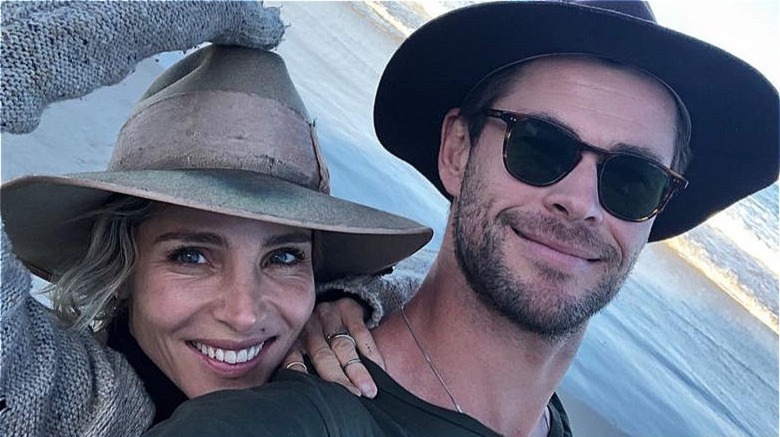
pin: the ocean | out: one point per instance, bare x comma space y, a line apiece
688, 348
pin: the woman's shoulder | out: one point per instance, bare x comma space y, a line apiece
290, 404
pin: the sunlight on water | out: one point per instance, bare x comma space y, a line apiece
697, 257
384, 14
746, 240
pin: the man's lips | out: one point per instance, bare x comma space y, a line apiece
563, 248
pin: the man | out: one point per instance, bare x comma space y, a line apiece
563, 134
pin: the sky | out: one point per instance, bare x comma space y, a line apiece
749, 29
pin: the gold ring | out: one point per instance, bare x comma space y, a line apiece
297, 363
351, 362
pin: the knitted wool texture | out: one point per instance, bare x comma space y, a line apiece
56, 381
385, 294
60, 382
53, 51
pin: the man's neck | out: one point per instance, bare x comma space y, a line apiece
498, 374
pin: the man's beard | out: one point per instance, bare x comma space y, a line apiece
546, 311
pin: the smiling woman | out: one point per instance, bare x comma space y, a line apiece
196, 253
197, 289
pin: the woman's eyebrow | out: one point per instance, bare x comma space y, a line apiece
289, 237
193, 237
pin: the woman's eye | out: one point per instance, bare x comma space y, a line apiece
287, 257
188, 255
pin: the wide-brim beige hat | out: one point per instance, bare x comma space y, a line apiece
225, 131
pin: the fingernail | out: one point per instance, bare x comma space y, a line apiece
369, 390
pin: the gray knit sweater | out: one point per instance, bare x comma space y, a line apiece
53, 381
59, 382
56, 50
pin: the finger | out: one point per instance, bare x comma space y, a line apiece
322, 356
345, 349
352, 318
294, 359
330, 318
347, 312
360, 377
337, 336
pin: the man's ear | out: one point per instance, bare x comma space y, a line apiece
454, 149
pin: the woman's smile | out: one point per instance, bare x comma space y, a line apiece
217, 301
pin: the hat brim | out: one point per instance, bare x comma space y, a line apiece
41, 215
733, 108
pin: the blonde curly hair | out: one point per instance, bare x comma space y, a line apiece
89, 293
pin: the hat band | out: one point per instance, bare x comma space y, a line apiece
222, 129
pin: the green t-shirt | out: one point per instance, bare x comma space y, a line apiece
298, 405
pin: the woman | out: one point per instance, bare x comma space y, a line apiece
195, 253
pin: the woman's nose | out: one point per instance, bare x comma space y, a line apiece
240, 302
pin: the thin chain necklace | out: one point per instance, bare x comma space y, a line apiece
430, 363
441, 380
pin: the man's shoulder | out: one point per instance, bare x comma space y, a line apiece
399, 412
291, 404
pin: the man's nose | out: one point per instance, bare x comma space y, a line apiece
575, 197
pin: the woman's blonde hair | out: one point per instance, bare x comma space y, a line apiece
89, 293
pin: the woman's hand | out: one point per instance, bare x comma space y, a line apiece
332, 338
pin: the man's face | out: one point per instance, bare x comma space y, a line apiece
548, 258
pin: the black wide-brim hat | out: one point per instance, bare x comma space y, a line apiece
733, 108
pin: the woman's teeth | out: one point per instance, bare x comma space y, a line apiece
227, 355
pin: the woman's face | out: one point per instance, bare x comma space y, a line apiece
217, 301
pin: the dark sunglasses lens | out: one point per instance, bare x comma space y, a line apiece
632, 188
539, 153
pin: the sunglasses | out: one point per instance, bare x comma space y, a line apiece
631, 187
